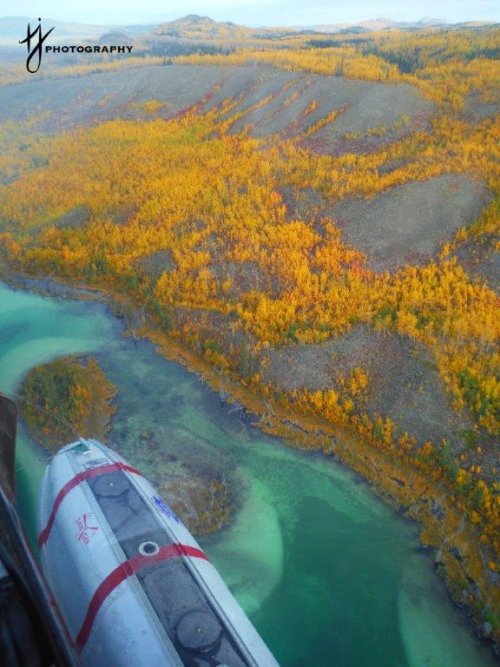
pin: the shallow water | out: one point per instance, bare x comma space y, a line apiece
330, 576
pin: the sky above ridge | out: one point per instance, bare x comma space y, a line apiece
257, 12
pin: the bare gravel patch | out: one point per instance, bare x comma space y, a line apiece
404, 383
410, 222
301, 367
101, 96
105, 95
475, 110
379, 105
481, 261
364, 105
76, 217
156, 263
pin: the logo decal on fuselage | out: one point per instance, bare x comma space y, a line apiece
85, 530
162, 507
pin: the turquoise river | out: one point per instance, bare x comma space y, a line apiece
330, 576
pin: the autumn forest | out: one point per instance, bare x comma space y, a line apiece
322, 235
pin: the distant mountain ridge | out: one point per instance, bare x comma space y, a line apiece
389, 24
194, 27
379, 24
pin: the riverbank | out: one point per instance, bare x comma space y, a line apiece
406, 489
455, 542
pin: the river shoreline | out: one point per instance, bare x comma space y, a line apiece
406, 490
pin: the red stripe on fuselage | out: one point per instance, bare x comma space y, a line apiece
85, 474
122, 572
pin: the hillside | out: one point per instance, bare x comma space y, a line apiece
312, 223
202, 27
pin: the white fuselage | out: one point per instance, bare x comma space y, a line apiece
130, 581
